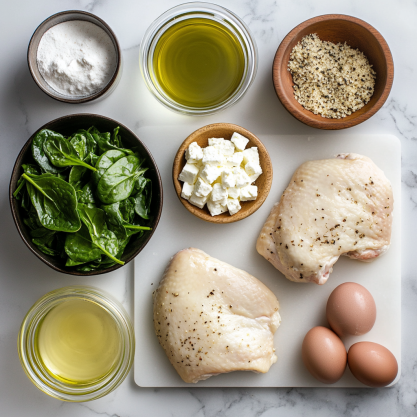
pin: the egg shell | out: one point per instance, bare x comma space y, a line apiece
351, 310
372, 364
324, 355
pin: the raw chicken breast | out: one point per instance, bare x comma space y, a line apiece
211, 318
332, 207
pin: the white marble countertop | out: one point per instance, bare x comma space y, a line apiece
23, 278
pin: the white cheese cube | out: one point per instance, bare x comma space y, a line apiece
210, 173
233, 206
216, 208
189, 173
225, 147
218, 193
248, 193
233, 192
251, 155
253, 177
252, 168
212, 156
194, 153
234, 160
198, 201
239, 141
216, 141
228, 179
201, 188
187, 190
242, 179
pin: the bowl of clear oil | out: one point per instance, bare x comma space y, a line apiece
198, 58
76, 344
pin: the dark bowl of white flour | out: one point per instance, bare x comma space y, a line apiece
75, 57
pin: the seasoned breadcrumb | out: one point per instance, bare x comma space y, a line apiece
332, 80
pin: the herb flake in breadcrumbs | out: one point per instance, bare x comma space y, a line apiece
332, 80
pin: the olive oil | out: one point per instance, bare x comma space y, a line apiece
198, 63
78, 342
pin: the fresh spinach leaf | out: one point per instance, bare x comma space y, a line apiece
143, 200
104, 162
61, 153
118, 181
80, 248
105, 143
44, 239
79, 143
86, 195
55, 202
101, 236
38, 151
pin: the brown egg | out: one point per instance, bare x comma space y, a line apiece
373, 364
351, 310
324, 355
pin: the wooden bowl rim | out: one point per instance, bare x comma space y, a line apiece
15, 208
329, 124
201, 213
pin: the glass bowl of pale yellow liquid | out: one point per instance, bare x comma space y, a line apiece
76, 344
198, 58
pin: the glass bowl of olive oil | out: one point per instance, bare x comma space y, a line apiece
76, 344
198, 58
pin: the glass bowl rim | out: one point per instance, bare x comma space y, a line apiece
60, 390
190, 10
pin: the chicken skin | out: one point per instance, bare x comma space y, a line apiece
332, 207
211, 318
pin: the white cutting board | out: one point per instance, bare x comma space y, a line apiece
302, 306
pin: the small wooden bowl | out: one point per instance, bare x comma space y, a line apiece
335, 28
225, 131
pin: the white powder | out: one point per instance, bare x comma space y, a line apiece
76, 58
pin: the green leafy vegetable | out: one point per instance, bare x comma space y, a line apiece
104, 162
61, 153
101, 236
39, 154
118, 181
80, 248
143, 199
55, 202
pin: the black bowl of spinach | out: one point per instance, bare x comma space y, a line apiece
85, 194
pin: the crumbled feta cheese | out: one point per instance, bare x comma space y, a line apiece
234, 160
212, 156
248, 193
233, 192
251, 155
233, 206
187, 190
220, 174
228, 179
194, 153
218, 193
239, 141
201, 188
226, 148
252, 168
198, 201
189, 173
216, 208
210, 173
242, 179
215, 141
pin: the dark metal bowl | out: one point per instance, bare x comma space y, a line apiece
67, 125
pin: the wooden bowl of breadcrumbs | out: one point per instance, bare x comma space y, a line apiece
333, 71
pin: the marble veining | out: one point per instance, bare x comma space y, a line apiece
23, 278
